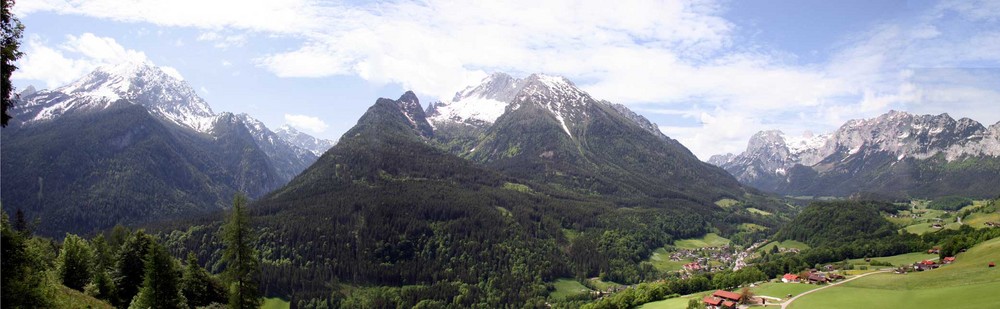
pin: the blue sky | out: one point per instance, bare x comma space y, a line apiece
710, 73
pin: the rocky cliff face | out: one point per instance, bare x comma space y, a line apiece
861, 147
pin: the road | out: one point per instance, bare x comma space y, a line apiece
785, 304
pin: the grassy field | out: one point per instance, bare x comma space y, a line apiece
567, 287
750, 227
781, 290
758, 211
727, 203
967, 283
898, 260
275, 303
70, 299
787, 244
675, 303
661, 260
602, 285
709, 240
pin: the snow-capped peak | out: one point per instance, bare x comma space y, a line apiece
137, 81
480, 104
315, 145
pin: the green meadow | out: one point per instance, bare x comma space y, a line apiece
967, 283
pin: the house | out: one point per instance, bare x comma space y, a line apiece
693, 266
727, 295
712, 301
948, 260
992, 264
836, 277
721, 299
932, 251
817, 278
937, 225
788, 278
928, 263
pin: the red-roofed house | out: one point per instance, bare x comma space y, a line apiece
728, 304
949, 259
727, 295
787, 278
928, 262
712, 301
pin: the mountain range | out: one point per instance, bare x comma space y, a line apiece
897, 155
129, 143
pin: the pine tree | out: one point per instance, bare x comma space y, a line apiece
75, 262
12, 30
130, 266
242, 263
199, 287
23, 277
161, 285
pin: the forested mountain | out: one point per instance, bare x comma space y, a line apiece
553, 132
387, 206
896, 154
129, 143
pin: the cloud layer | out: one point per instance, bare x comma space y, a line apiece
306, 123
677, 60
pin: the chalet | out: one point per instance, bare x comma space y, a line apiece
693, 266
817, 278
789, 278
992, 264
836, 277
937, 225
932, 251
728, 304
948, 260
928, 262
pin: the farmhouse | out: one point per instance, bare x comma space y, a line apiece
788, 278
817, 278
932, 251
693, 266
722, 299
948, 260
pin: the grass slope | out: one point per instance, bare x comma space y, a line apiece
967, 283
275, 303
781, 290
661, 260
787, 244
566, 288
898, 260
709, 240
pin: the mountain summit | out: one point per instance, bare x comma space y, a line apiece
136, 81
896, 153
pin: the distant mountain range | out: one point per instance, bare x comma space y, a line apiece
895, 155
129, 143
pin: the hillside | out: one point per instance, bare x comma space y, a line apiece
967, 283
829, 223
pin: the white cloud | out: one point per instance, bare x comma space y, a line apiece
306, 123
78, 55
223, 40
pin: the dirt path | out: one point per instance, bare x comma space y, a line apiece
785, 304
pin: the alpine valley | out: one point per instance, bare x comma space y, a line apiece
896, 156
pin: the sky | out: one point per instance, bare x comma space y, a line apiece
710, 73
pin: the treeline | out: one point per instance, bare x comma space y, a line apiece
125, 268
951, 203
650, 292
